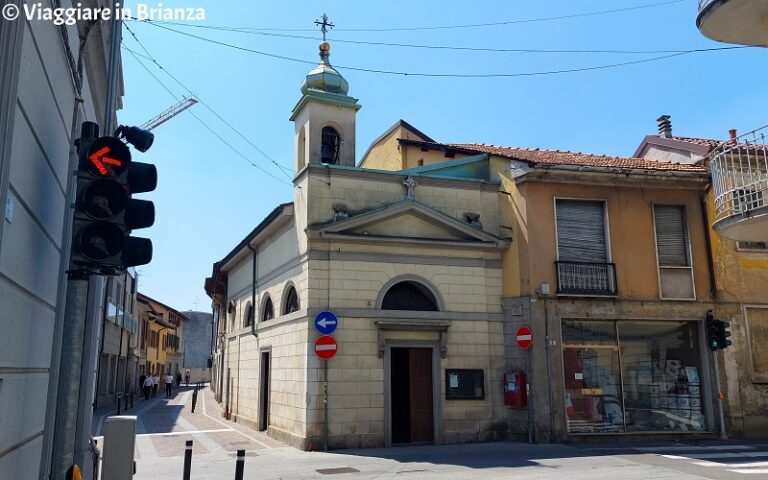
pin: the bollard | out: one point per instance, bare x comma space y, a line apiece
240, 465
131, 398
188, 460
118, 404
194, 400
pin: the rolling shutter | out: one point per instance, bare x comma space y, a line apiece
581, 231
671, 241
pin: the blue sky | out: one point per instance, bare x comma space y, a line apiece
210, 197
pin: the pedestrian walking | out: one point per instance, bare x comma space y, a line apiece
168, 384
147, 385
142, 377
155, 380
178, 379
186, 377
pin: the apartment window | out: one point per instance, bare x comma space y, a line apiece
751, 246
757, 338
583, 265
673, 253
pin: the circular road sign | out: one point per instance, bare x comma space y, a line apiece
524, 337
326, 347
326, 322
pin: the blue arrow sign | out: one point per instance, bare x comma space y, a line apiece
326, 322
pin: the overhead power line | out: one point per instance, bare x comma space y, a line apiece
205, 125
251, 31
486, 24
446, 75
222, 119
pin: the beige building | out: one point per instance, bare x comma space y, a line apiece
409, 264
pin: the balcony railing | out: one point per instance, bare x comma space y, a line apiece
582, 278
740, 182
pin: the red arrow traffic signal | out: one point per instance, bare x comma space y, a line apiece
108, 157
99, 159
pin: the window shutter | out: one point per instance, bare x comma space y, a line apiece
581, 231
671, 241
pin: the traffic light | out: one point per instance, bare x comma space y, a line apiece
723, 334
717, 333
713, 332
105, 213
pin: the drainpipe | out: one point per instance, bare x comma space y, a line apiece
708, 240
253, 291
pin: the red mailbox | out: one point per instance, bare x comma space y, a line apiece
515, 393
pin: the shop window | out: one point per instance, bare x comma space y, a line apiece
291, 301
674, 260
582, 265
632, 376
757, 338
409, 296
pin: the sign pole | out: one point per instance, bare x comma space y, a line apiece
528, 401
325, 404
720, 396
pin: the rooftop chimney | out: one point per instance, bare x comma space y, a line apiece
732, 135
665, 126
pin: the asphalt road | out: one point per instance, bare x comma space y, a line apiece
164, 426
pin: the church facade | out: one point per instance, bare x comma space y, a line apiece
410, 263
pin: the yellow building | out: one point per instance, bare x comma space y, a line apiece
161, 337
740, 269
609, 267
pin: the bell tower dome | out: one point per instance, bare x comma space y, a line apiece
324, 117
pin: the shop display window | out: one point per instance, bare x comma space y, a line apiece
632, 376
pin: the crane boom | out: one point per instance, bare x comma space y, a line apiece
168, 114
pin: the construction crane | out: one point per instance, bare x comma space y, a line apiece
168, 114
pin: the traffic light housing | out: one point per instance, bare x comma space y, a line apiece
105, 213
723, 334
718, 332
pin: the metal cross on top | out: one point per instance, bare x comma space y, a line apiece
324, 25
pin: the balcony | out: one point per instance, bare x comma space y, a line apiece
734, 21
740, 182
586, 279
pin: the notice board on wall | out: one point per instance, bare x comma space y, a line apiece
464, 384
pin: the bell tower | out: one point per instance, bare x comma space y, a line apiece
324, 116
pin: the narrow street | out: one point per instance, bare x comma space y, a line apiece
165, 425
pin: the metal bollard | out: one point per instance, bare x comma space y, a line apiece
188, 460
118, 404
240, 465
131, 398
194, 400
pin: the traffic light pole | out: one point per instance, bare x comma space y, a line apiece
73, 338
721, 418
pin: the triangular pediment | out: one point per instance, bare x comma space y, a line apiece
407, 221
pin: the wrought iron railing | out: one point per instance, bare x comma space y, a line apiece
740, 174
586, 278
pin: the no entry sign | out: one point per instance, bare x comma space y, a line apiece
524, 337
326, 347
